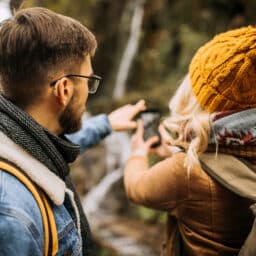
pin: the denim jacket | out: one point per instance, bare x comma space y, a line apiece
21, 229
93, 130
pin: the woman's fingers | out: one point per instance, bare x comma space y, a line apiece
164, 134
150, 142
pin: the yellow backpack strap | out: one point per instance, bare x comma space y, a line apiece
53, 230
50, 231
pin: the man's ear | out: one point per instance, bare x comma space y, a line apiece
63, 90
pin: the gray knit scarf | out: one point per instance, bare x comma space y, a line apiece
234, 128
54, 152
235, 133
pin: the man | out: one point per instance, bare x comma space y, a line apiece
46, 75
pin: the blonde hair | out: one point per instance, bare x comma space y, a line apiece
188, 124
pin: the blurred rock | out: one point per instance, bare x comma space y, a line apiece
89, 169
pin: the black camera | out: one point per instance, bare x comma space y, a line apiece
151, 120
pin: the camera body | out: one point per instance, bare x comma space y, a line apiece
151, 120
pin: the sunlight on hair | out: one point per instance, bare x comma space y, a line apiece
190, 122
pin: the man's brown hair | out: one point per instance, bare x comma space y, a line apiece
35, 44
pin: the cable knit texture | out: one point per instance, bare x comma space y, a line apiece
223, 71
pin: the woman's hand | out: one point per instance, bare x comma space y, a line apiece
138, 145
165, 149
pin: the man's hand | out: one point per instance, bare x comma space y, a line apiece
121, 118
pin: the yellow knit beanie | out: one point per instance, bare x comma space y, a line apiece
223, 71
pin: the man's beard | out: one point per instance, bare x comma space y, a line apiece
70, 120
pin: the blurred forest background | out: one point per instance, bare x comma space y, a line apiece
169, 34
144, 49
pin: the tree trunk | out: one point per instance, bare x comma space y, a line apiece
15, 5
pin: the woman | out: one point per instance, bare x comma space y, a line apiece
212, 110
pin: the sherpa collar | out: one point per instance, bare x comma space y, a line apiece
50, 183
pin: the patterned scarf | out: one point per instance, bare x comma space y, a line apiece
234, 132
54, 152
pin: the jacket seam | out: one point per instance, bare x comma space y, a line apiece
66, 230
212, 199
77, 250
21, 217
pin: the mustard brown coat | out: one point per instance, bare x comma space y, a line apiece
211, 220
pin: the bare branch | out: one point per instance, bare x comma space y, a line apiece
15, 5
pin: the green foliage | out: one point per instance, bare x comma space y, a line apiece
172, 31
150, 215
104, 252
146, 214
190, 40
78, 9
